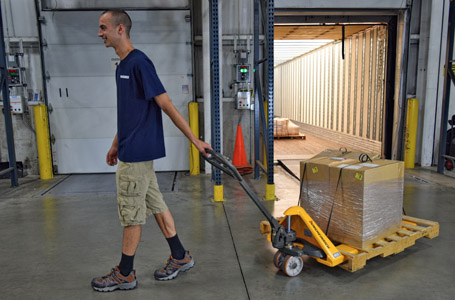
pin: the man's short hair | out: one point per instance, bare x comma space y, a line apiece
120, 17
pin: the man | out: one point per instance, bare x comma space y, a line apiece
139, 140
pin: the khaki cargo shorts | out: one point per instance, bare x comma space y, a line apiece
138, 194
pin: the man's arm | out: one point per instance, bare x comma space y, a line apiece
168, 107
112, 154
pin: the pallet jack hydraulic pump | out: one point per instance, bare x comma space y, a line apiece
294, 236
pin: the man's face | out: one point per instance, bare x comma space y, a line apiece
107, 31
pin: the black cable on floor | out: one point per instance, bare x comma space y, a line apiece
281, 164
174, 181
57, 183
236, 254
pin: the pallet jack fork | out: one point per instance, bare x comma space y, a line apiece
294, 236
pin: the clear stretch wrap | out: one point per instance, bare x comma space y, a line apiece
354, 203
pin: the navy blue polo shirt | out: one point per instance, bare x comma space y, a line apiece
139, 120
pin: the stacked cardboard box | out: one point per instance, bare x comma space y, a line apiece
356, 203
283, 127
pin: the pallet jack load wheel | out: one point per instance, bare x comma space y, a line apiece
292, 265
278, 259
449, 164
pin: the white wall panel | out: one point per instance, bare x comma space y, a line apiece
68, 123
82, 89
19, 18
84, 155
104, 4
94, 60
82, 92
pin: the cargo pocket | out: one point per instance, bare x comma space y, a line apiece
130, 201
128, 214
129, 186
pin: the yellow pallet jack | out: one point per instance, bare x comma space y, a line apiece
294, 236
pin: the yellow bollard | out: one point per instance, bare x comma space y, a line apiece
270, 192
194, 125
43, 142
411, 133
218, 193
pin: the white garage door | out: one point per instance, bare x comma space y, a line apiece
81, 84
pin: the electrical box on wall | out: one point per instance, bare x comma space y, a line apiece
242, 73
16, 104
243, 100
14, 77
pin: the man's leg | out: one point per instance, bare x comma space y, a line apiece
122, 277
131, 239
131, 191
181, 259
166, 223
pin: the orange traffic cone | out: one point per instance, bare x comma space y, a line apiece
239, 160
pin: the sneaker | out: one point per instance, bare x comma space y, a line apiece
114, 280
174, 266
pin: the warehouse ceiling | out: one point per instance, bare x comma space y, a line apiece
294, 40
315, 32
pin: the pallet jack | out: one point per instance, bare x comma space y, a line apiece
293, 236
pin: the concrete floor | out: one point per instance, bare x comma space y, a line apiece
56, 235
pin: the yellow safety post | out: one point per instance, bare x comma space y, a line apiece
411, 133
194, 125
43, 142
269, 188
218, 193
270, 192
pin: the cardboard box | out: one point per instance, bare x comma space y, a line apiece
283, 127
345, 154
317, 188
358, 203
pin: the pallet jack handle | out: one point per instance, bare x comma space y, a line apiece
280, 237
219, 161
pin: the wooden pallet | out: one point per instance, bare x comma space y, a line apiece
300, 136
411, 230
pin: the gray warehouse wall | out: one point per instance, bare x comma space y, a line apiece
19, 22
237, 18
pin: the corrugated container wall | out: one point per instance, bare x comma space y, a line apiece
344, 95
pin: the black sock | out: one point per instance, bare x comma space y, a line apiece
177, 250
126, 264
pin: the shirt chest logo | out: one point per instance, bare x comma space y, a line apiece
124, 76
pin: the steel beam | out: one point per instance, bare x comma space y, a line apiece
6, 108
215, 84
447, 85
257, 90
270, 96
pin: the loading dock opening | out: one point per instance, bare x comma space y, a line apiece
343, 91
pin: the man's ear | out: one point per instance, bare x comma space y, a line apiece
121, 29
